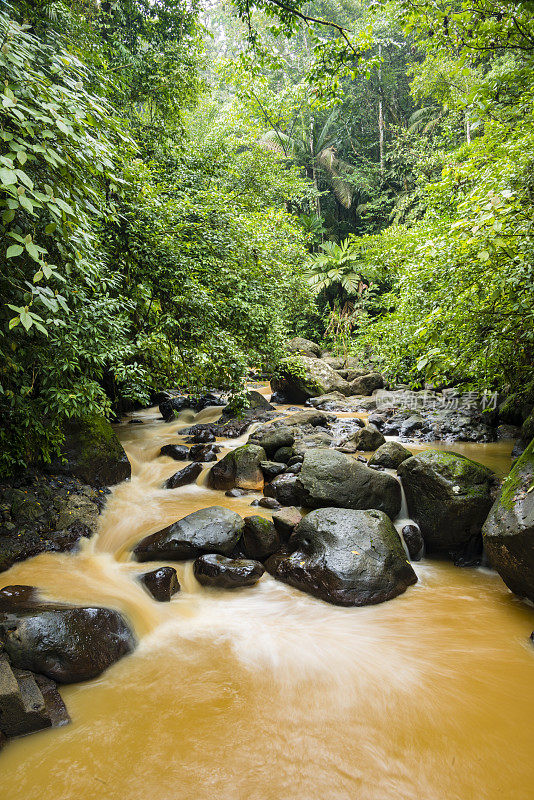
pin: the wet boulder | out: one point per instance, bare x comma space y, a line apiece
366, 384
188, 474
92, 453
329, 478
389, 455
297, 378
28, 702
508, 532
449, 497
239, 468
66, 643
210, 530
271, 469
162, 583
260, 538
179, 452
227, 573
346, 557
284, 488
413, 539
272, 439
367, 438
305, 347
286, 520
254, 406
312, 417
203, 452
169, 405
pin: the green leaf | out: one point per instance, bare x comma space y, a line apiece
8, 176
32, 250
14, 250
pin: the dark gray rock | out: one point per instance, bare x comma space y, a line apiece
203, 452
45, 513
260, 538
188, 474
389, 455
239, 468
65, 643
271, 469
297, 378
92, 453
346, 557
368, 438
269, 502
227, 573
162, 583
302, 346
366, 384
284, 489
329, 478
284, 454
448, 496
210, 530
272, 440
179, 452
413, 539
508, 532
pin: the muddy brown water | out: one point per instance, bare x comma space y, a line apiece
268, 694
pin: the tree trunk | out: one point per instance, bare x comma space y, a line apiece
380, 112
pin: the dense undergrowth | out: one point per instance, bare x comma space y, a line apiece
182, 188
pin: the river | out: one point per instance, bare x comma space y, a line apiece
268, 694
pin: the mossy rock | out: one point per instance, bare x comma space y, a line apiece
240, 468
92, 452
299, 378
449, 496
508, 532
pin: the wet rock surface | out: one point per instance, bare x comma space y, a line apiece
239, 468
45, 513
260, 538
449, 497
227, 573
187, 475
63, 642
299, 378
413, 539
28, 702
179, 452
329, 478
92, 453
346, 557
389, 455
508, 532
162, 583
210, 530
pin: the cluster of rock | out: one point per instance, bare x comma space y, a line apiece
316, 378
43, 644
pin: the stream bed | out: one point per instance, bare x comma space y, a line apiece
266, 693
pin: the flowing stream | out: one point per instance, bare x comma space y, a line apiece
268, 694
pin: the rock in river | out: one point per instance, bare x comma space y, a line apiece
449, 496
162, 583
184, 476
239, 468
389, 455
346, 557
227, 573
260, 538
299, 378
210, 530
508, 532
329, 478
66, 643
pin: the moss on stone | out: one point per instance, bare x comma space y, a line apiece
519, 478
